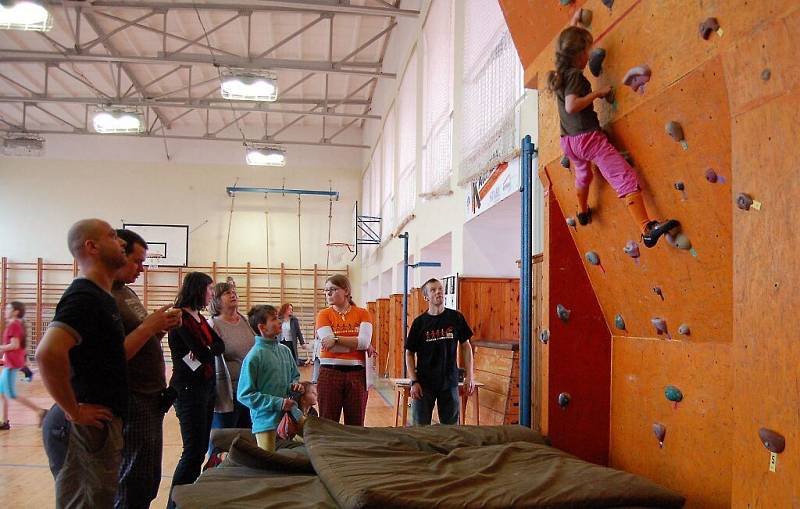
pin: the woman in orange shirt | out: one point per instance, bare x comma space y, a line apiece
345, 333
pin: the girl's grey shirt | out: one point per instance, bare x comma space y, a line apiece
239, 338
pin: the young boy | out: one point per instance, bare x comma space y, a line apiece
268, 374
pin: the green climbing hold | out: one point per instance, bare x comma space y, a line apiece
673, 393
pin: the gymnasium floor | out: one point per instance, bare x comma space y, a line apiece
25, 479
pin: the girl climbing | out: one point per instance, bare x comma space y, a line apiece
582, 140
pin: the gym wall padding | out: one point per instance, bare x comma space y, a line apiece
738, 369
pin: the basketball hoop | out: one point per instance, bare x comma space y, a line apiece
152, 260
340, 245
340, 251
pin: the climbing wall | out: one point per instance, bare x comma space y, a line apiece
736, 96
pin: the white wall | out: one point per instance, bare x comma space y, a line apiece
129, 179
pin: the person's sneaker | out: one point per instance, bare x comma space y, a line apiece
585, 218
654, 230
6, 425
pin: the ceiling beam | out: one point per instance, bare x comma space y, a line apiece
318, 66
311, 143
320, 7
206, 104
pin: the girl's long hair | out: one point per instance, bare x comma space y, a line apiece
571, 43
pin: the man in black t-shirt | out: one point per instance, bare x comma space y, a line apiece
82, 363
431, 349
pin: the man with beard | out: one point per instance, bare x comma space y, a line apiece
82, 363
140, 474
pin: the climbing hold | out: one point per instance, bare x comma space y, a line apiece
675, 132
586, 18
680, 186
563, 400
680, 241
766, 74
571, 222
661, 326
772, 440
744, 201
637, 77
632, 249
708, 26
565, 162
596, 58
657, 291
611, 98
566, 2
608, 3
619, 322
673, 394
563, 313
594, 259
683, 330
713, 177
660, 432
544, 336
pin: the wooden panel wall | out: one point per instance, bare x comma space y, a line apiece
396, 351
383, 328
741, 356
372, 307
497, 367
491, 307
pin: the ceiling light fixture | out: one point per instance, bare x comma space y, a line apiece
265, 155
22, 145
27, 15
249, 86
118, 120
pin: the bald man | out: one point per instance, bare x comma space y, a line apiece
83, 366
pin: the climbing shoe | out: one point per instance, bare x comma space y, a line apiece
654, 230
585, 218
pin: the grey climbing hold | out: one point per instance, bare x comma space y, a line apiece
683, 330
744, 201
772, 440
660, 431
544, 336
661, 326
657, 291
596, 58
586, 18
608, 3
563, 400
565, 162
707, 27
675, 131
562, 312
631, 249
681, 241
679, 186
619, 322
766, 74
571, 221
637, 77
592, 258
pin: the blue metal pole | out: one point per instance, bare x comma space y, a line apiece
280, 190
404, 236
525, 282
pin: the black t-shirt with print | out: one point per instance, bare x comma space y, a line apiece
434, 340
99, 372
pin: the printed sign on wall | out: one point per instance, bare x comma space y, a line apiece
493, 187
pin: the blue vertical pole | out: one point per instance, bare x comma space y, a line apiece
525, 282
404, 236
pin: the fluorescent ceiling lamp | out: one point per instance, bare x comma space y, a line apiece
265, 156
25, 16
118, 121
22, 145
250, 87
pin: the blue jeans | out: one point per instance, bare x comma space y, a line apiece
447, 401
239, 418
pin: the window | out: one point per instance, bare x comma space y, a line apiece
407, 141
437, 40
492, 90
387, 179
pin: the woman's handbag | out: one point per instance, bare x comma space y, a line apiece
224, 400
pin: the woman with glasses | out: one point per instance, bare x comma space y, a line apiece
344, 331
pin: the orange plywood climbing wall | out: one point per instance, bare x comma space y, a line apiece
738, 367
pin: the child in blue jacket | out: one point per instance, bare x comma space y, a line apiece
269, 373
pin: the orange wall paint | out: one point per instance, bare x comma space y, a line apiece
739, 368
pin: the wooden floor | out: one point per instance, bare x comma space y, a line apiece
25, 479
